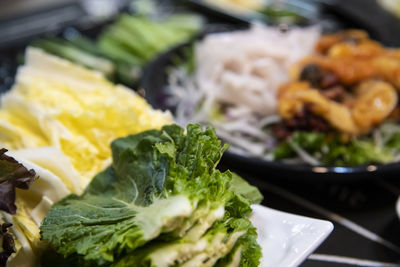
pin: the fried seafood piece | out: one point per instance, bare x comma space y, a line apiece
373, 102
364, 49
351, 71
388, 68
292, 98
348, 36
353, 61
347, 70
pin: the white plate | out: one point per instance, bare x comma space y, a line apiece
287, 239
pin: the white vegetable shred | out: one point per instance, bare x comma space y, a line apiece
235, 82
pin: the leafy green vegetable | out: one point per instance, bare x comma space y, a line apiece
240, 187
394, 142
214, 245
246, 250
144, 38
332, 150
284, 151
357, 152
161, 200
309, 140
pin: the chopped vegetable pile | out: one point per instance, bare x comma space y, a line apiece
160, 203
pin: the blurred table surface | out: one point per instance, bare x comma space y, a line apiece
367, 228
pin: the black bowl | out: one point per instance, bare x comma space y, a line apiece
155, 79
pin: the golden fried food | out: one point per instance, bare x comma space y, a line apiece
388, 68
374, 102
329, 40
364, 49
350, 82
294, 96
348, 70
354, 62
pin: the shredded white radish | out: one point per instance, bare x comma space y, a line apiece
234, 85
246, 68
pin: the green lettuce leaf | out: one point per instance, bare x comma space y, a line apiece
231, 241
241, 187
163, 186
161, 197
216, 243
246, 252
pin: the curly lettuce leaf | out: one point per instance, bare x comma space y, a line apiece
156, 183
161, 203
216, 243
246, 252
241, 187
12, 175
231, 241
